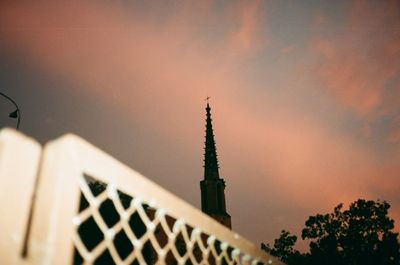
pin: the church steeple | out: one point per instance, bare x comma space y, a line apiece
212, 186
210, 153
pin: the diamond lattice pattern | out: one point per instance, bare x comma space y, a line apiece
113, 227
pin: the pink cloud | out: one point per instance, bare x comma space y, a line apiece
288, 49
393, 136
247, 36
319, 20
359, 63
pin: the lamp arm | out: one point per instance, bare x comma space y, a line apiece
16, 106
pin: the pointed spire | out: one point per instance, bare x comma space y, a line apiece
212, 186
210, 153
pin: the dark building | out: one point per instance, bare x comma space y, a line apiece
212, 186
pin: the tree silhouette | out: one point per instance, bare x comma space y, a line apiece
361, 235
284, 248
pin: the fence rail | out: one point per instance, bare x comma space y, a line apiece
71, 203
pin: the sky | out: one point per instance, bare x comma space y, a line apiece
305, 95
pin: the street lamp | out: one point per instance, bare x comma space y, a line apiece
16, 114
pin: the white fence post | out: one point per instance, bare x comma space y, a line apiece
56, 203
19, 161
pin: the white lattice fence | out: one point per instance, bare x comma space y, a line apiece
91, 209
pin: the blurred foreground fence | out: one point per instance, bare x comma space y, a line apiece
70, 203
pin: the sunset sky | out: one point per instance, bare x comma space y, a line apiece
305, 95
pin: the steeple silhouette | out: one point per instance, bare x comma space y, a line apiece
210, 152
212, 186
